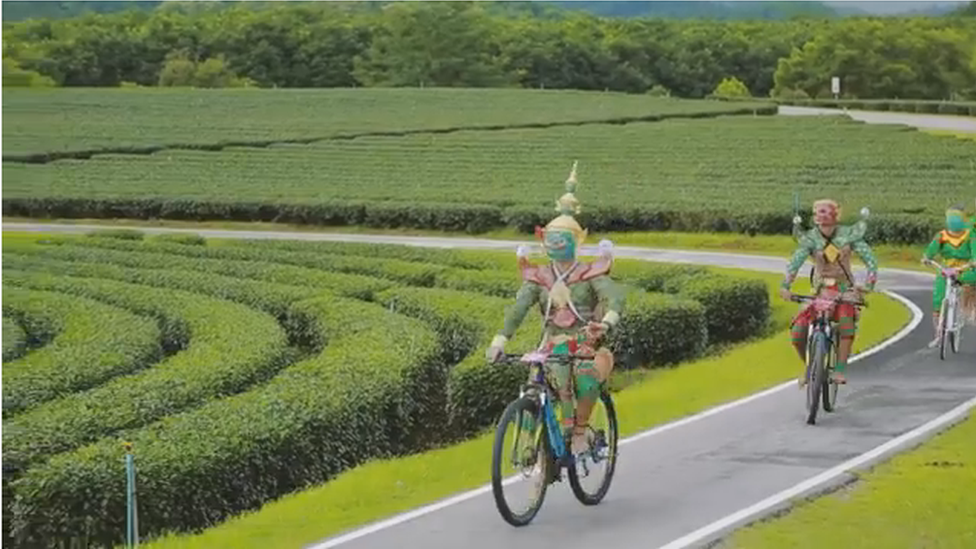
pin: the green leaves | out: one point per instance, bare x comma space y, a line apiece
95, 342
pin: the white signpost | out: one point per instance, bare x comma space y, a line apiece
835, 86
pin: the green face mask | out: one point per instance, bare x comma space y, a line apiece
560, 246
955, 222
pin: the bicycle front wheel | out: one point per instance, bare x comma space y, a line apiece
945, 325
592, 473
520, 462
815, 375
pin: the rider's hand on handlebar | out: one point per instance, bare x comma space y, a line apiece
493, 353
786, 294
596, 329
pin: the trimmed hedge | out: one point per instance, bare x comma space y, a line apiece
654, 329
96, 342
365, 396
271, 298
522, 218
231, 347
465, 259
477, 392
14, 340
361, 287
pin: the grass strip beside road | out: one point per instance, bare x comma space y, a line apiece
923, 498
383, 488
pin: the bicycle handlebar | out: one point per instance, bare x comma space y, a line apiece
840, 299
943, 269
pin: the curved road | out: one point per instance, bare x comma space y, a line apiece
691, 482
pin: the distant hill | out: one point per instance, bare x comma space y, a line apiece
17, 10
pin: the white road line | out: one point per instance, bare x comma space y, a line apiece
917, 316
814, 482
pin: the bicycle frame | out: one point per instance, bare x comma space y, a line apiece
540, 388
824, 306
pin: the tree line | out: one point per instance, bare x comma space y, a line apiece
467, 44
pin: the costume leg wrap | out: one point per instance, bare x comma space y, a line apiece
587, 383
938, 293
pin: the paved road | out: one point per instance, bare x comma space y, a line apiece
682, 479
924, 121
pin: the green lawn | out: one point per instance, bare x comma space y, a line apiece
382, 488
920, 499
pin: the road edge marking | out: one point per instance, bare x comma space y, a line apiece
755, 512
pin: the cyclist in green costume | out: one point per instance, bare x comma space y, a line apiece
956, 244
831, 246
572, 296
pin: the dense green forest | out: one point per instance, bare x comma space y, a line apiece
474, 44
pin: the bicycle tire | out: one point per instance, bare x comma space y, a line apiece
830, 389
816, 375
574, 481
497, 487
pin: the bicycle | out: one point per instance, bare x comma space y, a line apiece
549, 450
822, 354
949, 311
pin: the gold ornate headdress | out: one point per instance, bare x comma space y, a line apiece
567, 205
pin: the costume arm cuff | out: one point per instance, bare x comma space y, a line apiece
611, 318
498, 341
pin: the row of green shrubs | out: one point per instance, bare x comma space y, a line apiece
94, 342
227, 347
655, 329
372, 392
735, 308
456, 217
756, 109
14, 340
148, 256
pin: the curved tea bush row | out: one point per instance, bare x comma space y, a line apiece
14, 340
340, 283
97, 342
271, 298
655, 329
736, 308
231, 347
364, 396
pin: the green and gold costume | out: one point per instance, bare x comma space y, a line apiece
569, 300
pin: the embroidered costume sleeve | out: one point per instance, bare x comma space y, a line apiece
801, 254
612, 294
527, 296
932, 249
861, 248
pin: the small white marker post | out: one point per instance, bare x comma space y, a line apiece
835, 86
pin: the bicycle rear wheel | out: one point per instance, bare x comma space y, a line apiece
601, 457
520, 461
815, 375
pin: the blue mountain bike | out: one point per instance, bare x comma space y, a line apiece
539, 449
